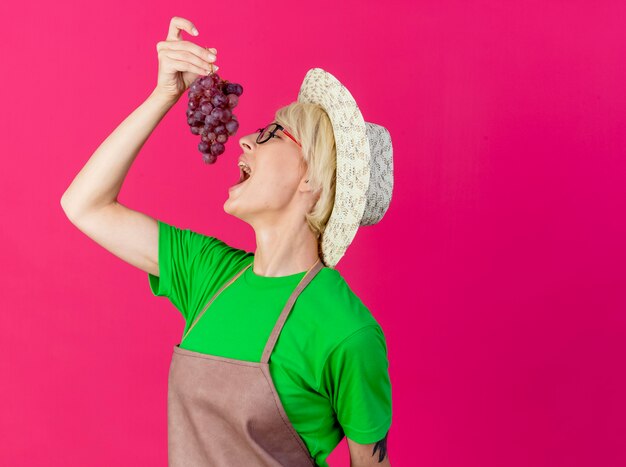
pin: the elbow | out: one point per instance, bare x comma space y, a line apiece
67, 212
67, 208
64, 204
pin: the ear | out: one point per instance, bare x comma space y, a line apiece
305, 183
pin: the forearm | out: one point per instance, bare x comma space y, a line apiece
100, 180
370, 462
365, 455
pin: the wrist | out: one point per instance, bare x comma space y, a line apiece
163, 98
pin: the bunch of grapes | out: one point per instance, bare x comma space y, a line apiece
210, 114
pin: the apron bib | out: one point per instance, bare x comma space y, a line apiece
226, 412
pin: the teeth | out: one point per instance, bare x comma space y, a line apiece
245, 168
246, 173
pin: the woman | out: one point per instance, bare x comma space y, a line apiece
317, 173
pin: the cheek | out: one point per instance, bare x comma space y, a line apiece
277, 186
279, 177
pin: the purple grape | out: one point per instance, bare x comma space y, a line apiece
220, 129
195, 130
207, 81
226, 114
219, 100
217, 149
221, 138
209, 158
233, 100
228, 88
203, 147
218, 113
233, 88
211, 119
232, 127
206, 108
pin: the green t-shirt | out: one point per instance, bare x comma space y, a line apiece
329, 364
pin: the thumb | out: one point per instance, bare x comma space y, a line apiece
177, 25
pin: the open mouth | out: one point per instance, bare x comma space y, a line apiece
244, 174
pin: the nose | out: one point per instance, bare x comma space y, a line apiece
248, 142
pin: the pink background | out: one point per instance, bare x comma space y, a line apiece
497, 273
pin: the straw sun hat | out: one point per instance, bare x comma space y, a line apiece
364, 180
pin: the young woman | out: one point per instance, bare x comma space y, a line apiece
279, 358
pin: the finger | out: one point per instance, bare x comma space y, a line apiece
177, 25
185, 56
201, 52
182, 65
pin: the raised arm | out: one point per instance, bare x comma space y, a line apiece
90, 202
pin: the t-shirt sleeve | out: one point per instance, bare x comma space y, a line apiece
356, 380
189, 261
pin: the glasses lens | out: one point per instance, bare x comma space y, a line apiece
265, 134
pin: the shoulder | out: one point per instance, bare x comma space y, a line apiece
196, 246
200, 263
338, 310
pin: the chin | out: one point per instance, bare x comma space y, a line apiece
228, 209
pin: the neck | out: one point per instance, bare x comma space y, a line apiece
283, 249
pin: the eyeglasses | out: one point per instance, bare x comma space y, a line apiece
270, 131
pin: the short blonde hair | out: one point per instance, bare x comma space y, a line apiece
310, 125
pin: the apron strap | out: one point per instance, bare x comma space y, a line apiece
233, 279
271, 342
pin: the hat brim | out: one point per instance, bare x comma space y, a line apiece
353, 156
